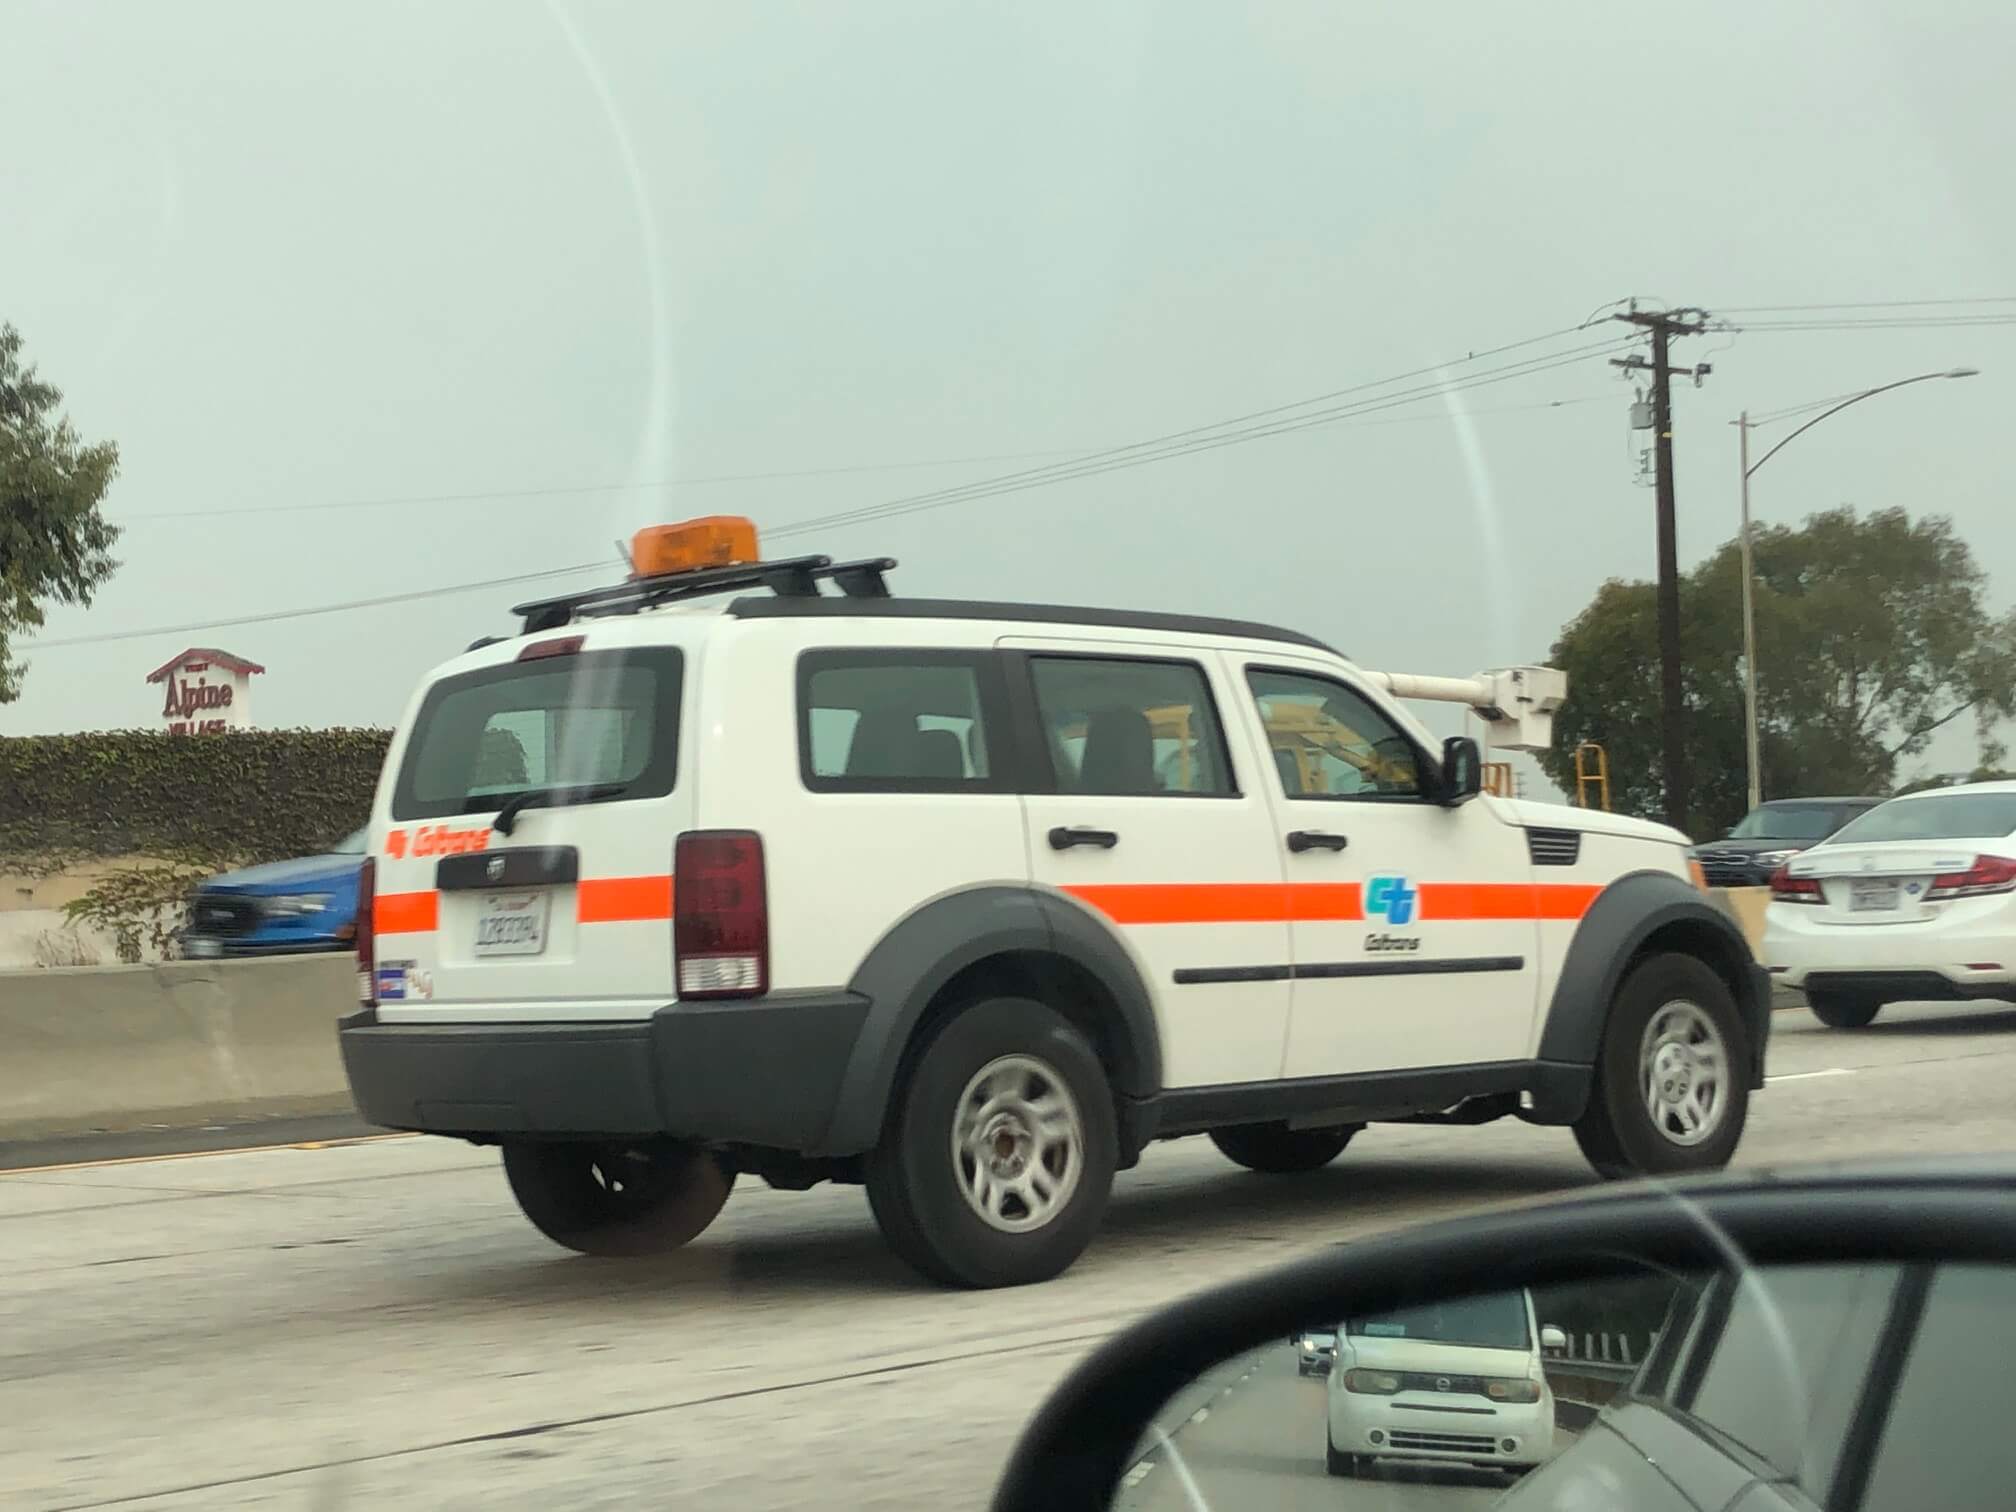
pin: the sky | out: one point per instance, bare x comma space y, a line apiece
379, 299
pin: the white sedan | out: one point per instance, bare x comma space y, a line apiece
1914, 901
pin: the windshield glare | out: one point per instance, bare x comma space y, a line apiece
1949, 816
1491, 1322
1788, 821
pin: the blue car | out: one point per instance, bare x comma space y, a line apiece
281, 908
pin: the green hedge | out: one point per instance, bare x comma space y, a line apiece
259, 795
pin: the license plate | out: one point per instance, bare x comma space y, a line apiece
199, 949
511, 924
1866, 896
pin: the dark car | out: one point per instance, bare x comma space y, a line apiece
1771, 834
280, 908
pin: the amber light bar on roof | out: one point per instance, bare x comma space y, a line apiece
712, 541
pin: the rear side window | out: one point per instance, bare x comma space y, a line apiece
901, 721
602, 720
1131, 728
1949, 816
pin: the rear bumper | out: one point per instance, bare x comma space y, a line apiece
1930, 957
765, 1072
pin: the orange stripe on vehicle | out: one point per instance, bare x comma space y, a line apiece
1186, 902
405, 913
1325, 902
616, 900
1505, 900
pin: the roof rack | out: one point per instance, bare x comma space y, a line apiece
793, 577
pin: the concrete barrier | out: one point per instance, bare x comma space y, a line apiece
1746, 906
182, 1043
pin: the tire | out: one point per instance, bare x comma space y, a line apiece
1279, 1150
1002, 1064
610, 1200
1336, 1461
1843, 1010
1667, 1000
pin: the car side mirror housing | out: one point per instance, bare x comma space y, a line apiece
1462, 770
1658, 1283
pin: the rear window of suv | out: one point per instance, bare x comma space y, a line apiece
606, 722
1949, 816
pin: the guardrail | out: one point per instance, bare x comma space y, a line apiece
1583, 1387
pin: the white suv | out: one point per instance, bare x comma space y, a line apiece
970, 901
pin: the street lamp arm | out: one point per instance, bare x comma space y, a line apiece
1852, 399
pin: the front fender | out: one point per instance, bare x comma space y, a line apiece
1625, 916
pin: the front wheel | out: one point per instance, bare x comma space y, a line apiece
1337, 1462
1279, 1150
613, 1199
1843, 1010
1672, 1084
996, 1165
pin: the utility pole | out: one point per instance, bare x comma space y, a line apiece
1664, 325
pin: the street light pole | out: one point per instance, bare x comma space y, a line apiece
1742, 424
1754, 766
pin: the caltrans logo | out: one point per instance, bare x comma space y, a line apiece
1391, 899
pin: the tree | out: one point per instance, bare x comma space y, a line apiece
1872, 635
54, 544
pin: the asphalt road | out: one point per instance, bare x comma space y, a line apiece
373, 1324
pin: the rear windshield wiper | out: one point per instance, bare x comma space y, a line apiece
553, 797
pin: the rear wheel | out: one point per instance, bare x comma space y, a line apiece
614, 1199
1279, 1150
998, 1158
1672, 1085
1844, 1010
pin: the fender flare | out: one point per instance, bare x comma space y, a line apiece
1623, 917
907, 967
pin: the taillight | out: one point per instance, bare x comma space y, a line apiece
367, 936
1988, 874
720, 914
1786, 888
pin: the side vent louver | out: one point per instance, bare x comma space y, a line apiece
1554, 847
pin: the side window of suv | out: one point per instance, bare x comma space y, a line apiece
899, 721
1327, 741
1121, 727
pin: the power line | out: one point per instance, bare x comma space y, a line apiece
1883, 323
1180, 443
1067, 472
583, 488
1868, 304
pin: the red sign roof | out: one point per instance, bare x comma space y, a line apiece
222, 659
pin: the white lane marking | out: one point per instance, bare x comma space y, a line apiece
1138, 1474
1199, 1415
1808, 1075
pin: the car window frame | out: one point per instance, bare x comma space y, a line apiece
1006, 758
1042, 772
1427, 766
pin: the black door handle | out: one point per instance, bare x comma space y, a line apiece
1307, 840
1065, 836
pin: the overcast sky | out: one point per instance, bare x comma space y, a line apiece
529, 276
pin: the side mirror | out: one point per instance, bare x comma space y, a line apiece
1902, 1279
1462, 770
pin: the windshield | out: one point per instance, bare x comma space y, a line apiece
1945, 816
1497, 1321
1789, 821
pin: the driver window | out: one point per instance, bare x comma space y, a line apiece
1327, 741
